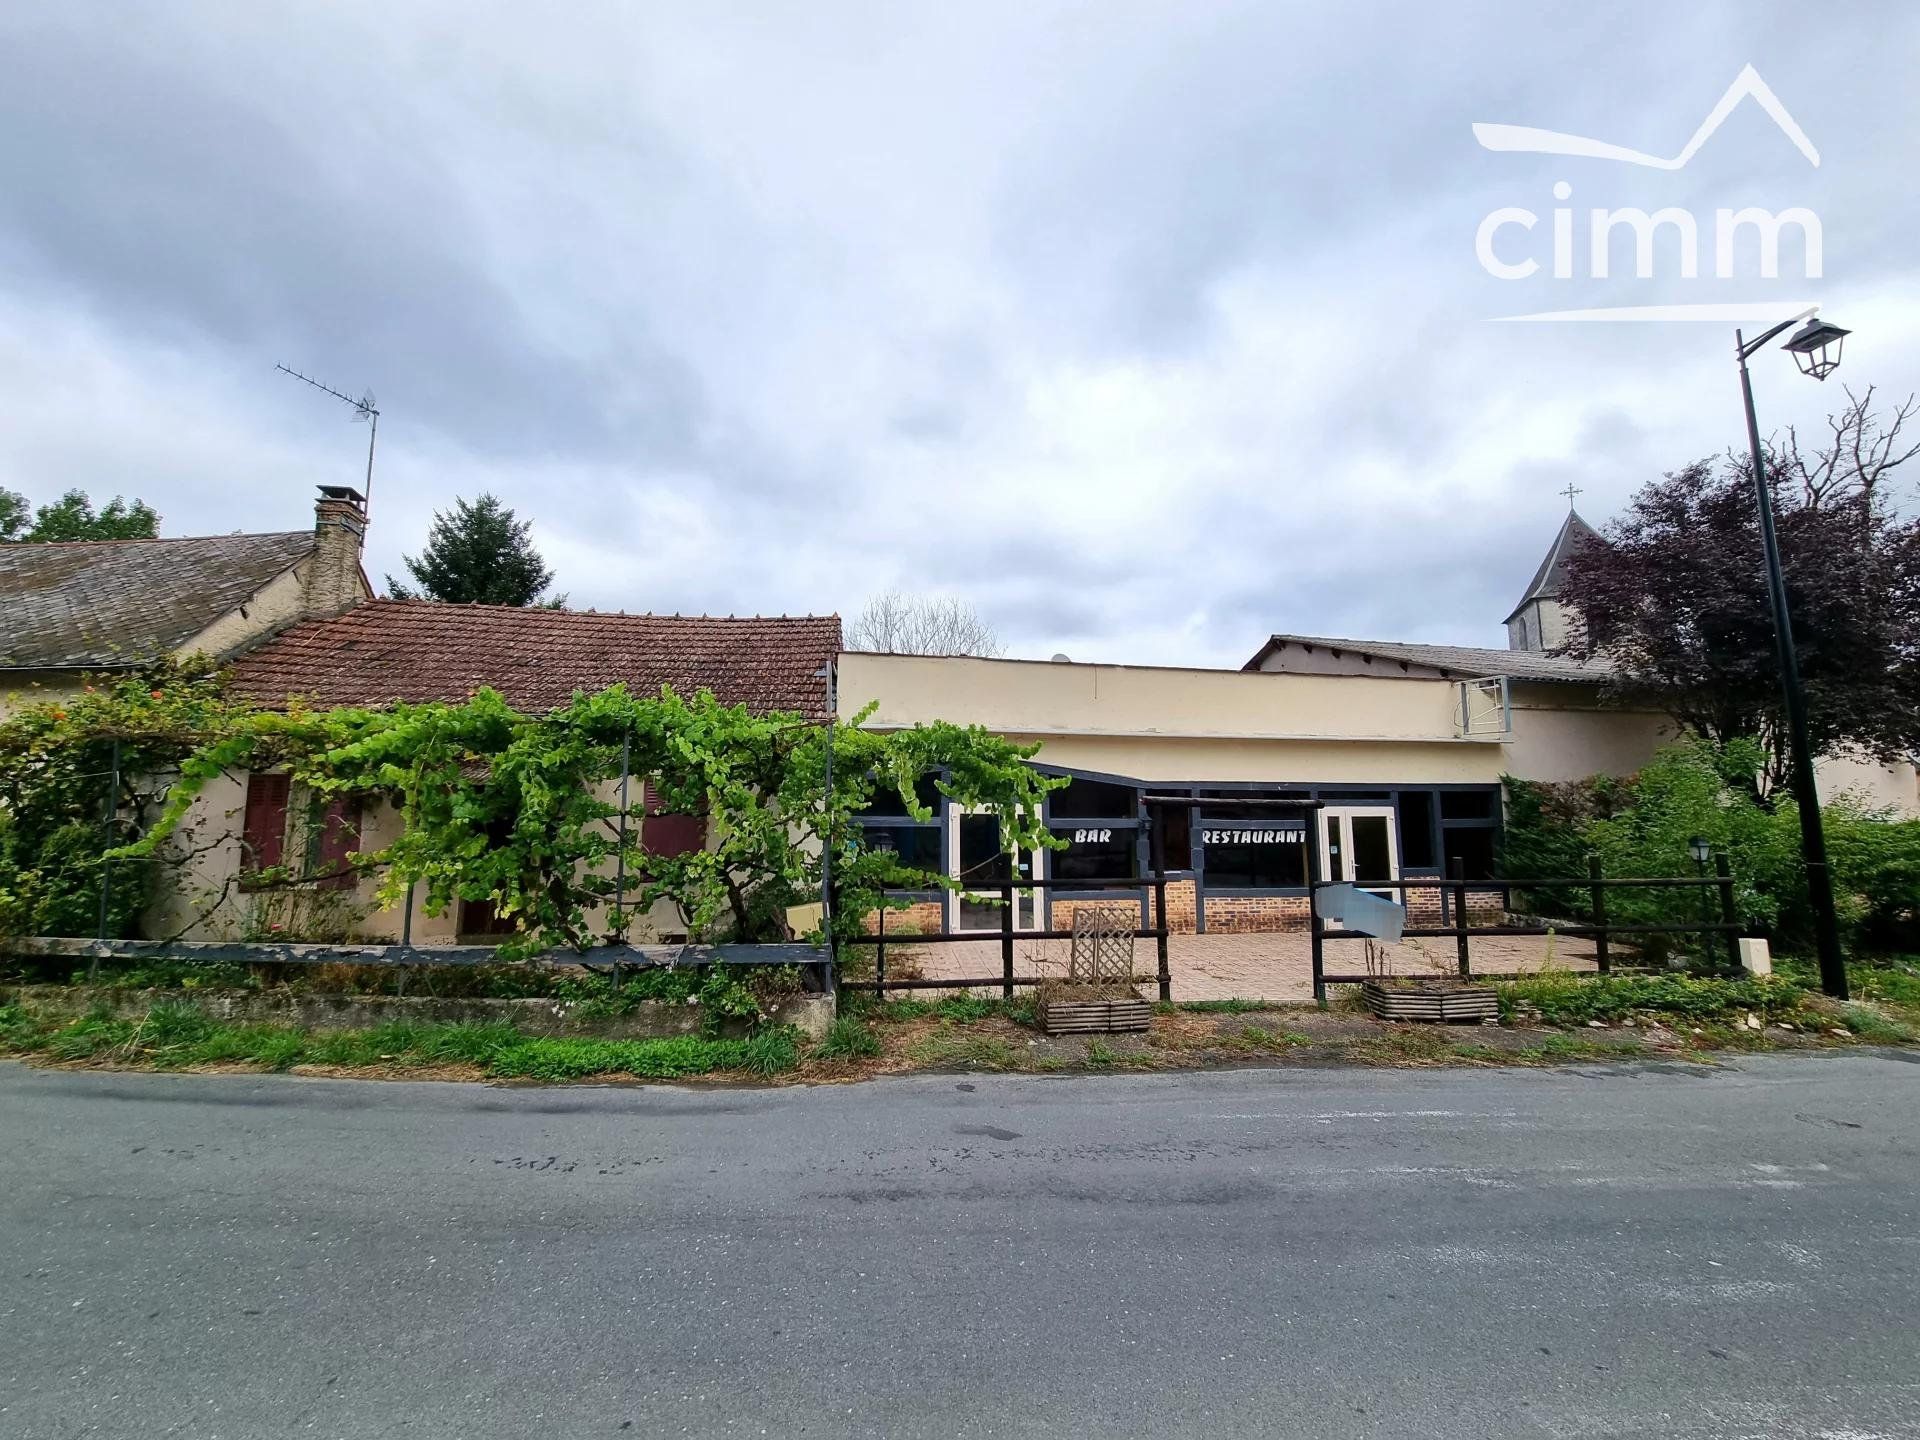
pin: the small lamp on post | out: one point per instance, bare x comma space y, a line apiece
1816, 347
1701, 850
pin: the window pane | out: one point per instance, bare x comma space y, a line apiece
1094, 852
1095, 800
1172, 836
982, 861
915, 846
1254, 859
886, 799
1372, 848
1416, 829
1466, 804
1211, 810
1472, 844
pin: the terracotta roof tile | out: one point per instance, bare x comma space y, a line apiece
123, 602
417, 650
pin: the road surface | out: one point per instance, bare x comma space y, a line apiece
1608, 1251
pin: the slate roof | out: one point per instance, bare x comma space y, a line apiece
1551, 578
122, 602
419, 650
1458, 662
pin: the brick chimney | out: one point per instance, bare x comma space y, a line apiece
333, 582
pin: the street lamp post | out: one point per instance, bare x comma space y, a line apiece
826, 673
1809, 346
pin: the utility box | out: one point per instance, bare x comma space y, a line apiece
1755, 958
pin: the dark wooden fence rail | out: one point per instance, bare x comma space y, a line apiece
1156, 886
1457, 887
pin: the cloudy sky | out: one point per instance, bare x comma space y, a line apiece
1149, 329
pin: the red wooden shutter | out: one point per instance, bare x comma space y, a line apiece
264, 832
667, 835
339, 835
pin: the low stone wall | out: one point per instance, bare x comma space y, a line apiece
652, 1019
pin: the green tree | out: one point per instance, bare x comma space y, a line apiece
72, 517
478, 554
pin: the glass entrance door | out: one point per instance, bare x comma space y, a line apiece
977, 859
1359, 846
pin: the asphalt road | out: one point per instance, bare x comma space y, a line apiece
1611, 1251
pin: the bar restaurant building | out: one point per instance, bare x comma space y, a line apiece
1401, 747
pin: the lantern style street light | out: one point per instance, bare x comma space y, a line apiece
1816, 350
1810, 344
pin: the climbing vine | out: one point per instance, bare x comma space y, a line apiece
523, 811
85, 771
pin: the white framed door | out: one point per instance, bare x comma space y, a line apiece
1360, 844
975, 858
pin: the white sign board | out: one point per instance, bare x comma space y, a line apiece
1361, 911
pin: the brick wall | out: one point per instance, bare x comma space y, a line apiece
918, 917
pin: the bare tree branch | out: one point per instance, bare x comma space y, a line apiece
898, 624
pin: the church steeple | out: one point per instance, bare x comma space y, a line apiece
1539, 621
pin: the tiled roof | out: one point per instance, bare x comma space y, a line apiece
418, 650
120, 602
1551, 578
1460, 662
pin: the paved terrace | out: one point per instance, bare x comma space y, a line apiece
1275, 967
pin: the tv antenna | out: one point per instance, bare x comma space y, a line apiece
363, 409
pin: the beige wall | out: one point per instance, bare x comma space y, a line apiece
21, 688
275, 605
1561, 732
1198, 725
1043, 698
1884, 787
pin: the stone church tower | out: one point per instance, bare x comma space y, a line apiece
1539, 621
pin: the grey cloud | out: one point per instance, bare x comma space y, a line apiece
771, 309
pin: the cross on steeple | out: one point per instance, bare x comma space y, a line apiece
1571, 491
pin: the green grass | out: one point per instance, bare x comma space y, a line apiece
177, 1036
1870, 1025
1564, 999
957, 1048
954, 1010
1211, 1007
850, 1038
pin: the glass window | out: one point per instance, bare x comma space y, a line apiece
1416, 829
1094, 852
1466, 804
1372, 848
1250, 857
1095, 800
1172, 827
1472, 844
915, 846
886, 799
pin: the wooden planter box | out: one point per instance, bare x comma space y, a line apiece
1093, 1017
1436, 1003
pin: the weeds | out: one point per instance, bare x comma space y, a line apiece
957, 1048
1564, 999
1870, 1025
850, 1038
1212, 1007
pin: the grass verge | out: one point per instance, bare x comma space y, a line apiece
175, 1036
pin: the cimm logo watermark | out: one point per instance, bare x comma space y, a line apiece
1668, 243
